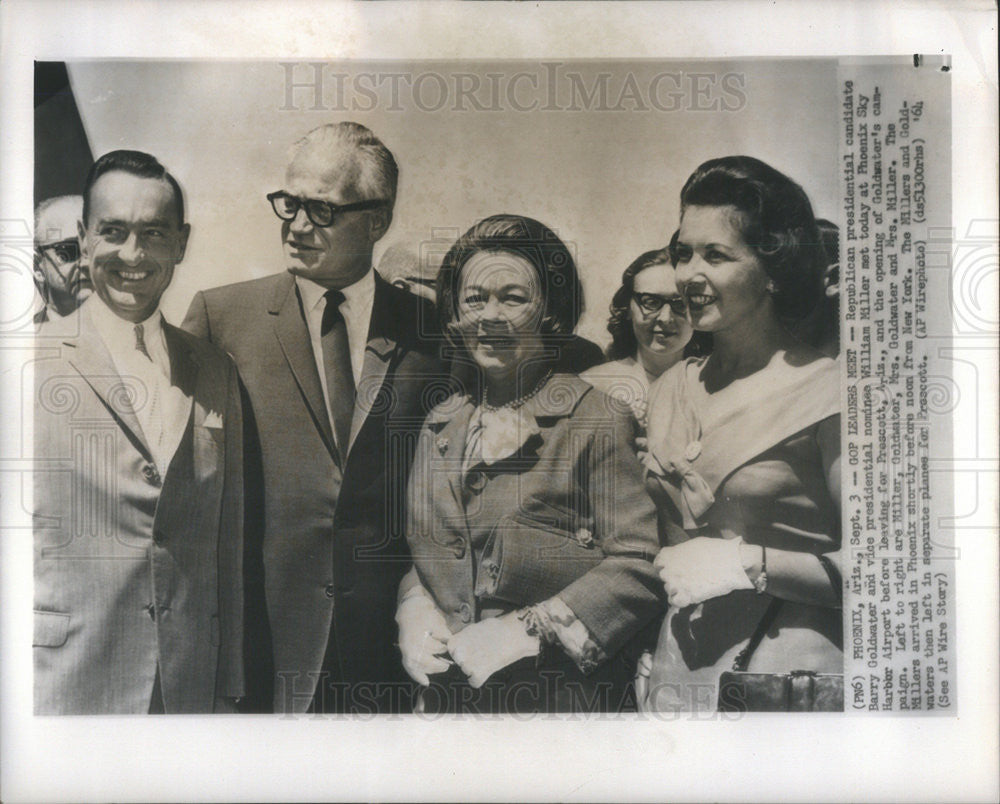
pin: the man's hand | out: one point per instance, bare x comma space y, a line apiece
490, 645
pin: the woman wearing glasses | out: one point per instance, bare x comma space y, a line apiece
744, 445
649, 332
529, 525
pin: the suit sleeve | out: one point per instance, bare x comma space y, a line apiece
196, 320
230, 680
615, 599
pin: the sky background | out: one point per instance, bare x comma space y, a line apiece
605, 174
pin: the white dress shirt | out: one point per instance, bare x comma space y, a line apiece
357, 312
162, 408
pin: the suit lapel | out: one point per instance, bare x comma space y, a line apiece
183, 362
91, 358
293, 336
379, 352
184, 373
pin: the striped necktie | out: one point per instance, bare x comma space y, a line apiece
140, 342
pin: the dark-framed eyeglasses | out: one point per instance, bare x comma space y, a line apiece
62, 252
652, 303
320, 213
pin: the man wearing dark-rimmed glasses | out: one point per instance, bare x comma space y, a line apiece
335, 362
61, 281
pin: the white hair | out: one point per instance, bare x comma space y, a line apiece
378, 172
74, 206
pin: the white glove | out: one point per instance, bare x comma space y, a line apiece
490, 645
423, 635
700, 569
643, 670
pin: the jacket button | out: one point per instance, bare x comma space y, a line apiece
150, 474
329, 590
465, 612
459, 549
476, 481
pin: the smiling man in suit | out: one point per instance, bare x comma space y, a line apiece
339, 368
138, 476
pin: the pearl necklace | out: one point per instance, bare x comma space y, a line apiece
514, 404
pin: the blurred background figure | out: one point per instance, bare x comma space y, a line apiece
403, 268
649, 331
62, 282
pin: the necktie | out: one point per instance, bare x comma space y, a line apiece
151, 414
337, 367
140, 341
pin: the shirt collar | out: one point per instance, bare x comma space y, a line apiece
117, 331
362, 291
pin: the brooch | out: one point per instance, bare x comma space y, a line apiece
442, 444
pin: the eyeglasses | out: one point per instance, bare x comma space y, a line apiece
320, 213
63, 252
652, 303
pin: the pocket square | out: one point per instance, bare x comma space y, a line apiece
213, 419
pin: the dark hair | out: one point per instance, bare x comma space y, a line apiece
535, 242
623, 343
829, 238
775, 220
138, 164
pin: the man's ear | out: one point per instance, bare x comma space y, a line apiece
37, 272
378, 223
182, 241
831, 280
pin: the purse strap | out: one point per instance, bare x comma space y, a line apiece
742, 660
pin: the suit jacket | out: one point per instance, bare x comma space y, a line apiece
135, 571
334, 547
575, 477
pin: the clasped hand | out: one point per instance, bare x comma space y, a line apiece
479, 650
483, 648
700, 569
423, 636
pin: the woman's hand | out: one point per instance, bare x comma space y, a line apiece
490, 645
700, 569
423, 636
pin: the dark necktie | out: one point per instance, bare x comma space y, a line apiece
337, 367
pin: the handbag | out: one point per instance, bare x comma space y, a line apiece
524, 562
796, 691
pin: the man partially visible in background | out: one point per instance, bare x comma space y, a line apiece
61, 281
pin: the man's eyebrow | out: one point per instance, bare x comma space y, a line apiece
163, 223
